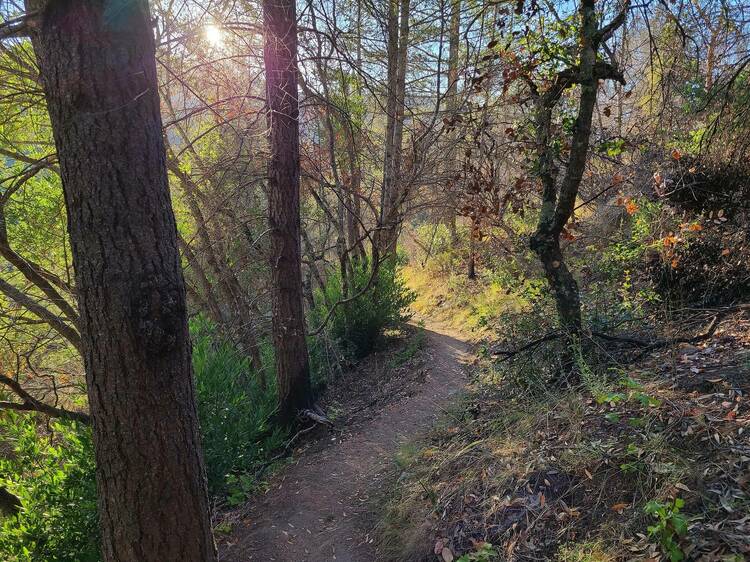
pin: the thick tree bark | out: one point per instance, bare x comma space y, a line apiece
99, 75
280, 59
9, 504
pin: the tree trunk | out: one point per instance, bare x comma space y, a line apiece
398, 126
451, 99
280, 58
99, 74
398, 43
355, 166
9, 504
557, 207
471, 271
390, 116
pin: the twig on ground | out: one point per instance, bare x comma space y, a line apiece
317, 418
507, 354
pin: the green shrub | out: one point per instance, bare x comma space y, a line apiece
52, 472
234, 411
358, 324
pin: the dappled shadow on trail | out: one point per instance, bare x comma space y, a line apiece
318, 509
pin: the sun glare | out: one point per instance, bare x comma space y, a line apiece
214, 35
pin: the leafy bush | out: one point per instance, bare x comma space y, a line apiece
709, 268
699, 185
357, 325
433, 246
234, 411
52, 473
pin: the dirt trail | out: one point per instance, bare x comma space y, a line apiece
318, 510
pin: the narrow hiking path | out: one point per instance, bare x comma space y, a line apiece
318, 509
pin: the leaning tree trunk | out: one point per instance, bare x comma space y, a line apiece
280, 59
99, 75
558, 207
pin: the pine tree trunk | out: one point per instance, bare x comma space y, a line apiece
280, 58
386, 192
99, 75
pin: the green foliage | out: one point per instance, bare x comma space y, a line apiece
358, 324
669, 527
233, 409
485, 553
612, 147
627, 253
52, 473
433, 245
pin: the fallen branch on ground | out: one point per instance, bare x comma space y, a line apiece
507, 354
646, 345
317, 416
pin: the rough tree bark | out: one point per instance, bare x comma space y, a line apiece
99, 75
280, 59
9, 504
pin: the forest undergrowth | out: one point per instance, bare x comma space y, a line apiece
643, 456
364, 360
211, 214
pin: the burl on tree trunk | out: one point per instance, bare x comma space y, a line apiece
98, 69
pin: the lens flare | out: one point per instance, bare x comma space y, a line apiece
214, 35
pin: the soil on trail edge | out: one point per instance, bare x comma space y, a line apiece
318, 509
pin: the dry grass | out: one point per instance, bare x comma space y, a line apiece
456, 302
566, 476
